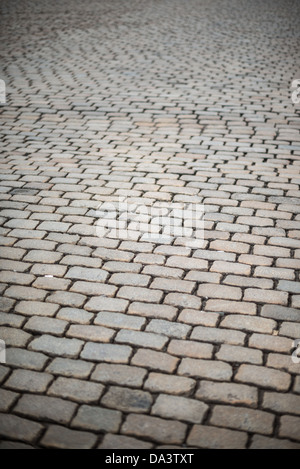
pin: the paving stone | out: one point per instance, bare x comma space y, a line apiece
10, 319
18, 428
176, 385
81, 261
199, 310
280, 313
4, 372
91, 333
249, 323
239, 418
235, 354
231, 267
53, 346
168, 328
123, 375
244, 282
231, 306
198, 318
219, 291
183, 300
272, 343
281, 403
140, 294
97, 419
126, 267
16, 278
28, 381
289, 427
42, 256
22, 358
141, 339
209, 369
74, 315
14, 445
155, 429
7, 399
173, 285
36, 308
282, 362
74, 300
183, 348
127, 400
272, 272
6, 304
123, 443
161, 271
14, 337
153, 310
51, 283
263, 296
58, 437
110, 353
208, 437
297, 385
227, 393
290, 329
113, 255
119, 321
179, 408
76, 390
137, 280
265, 443
27, 293
82, 273
203, 277
46, 408
99, 304
153, 360
263, 377
214, 335
44, 325
70, 368
187, 263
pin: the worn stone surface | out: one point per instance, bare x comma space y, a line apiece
119, 339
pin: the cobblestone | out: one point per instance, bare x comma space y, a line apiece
97, 419
179, 408
48, 408
208, 437
58, 437
227, 393
76, 390
122, 340
239, 418
29, 381
123, 375
127, 400
155, 429
18, 428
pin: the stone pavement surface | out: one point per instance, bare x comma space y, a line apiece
117, 343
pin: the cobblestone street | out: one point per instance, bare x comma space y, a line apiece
132, 343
